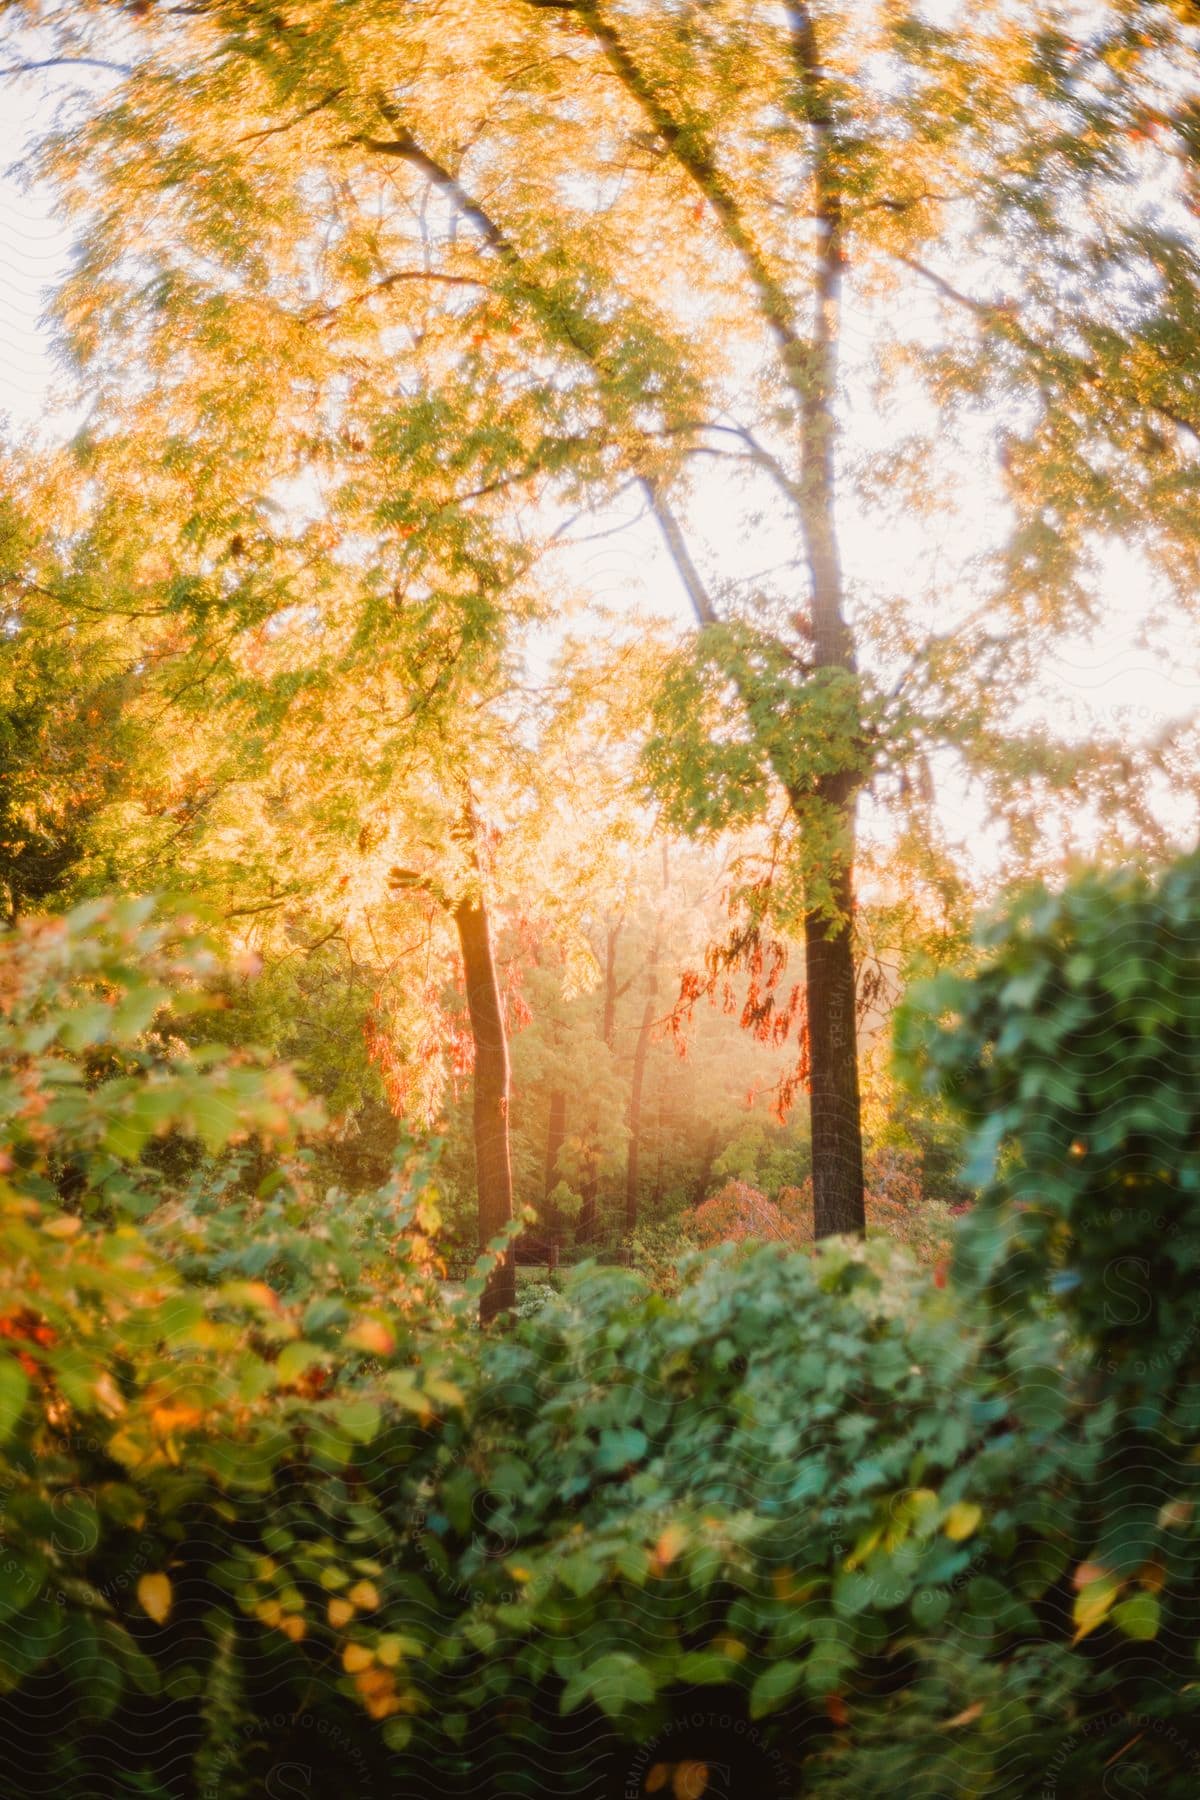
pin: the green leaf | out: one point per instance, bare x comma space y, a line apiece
14, 1389
615, 1682
294, 1358
581, 1573
1138, 1617
360, 1420
773, 1687
619, 1448
706, 1668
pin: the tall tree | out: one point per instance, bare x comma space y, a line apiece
428, 315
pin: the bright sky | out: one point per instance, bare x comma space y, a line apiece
33, 253
1115, 682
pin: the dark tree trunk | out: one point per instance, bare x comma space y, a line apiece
589, 1186
556, 1131
704, 1174
808, 355
641, 1050
834, 1105
835, 1108
493, 1170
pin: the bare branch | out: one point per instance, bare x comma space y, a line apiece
983, 309
253, 137
701, 601
67, 62
390, 281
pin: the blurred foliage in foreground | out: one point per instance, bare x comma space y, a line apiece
271, 1500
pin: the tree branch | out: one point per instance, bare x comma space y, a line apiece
253, 137
390, 281
701, 601
405, 146
759, 454
67, 62
697, 163
1004, 312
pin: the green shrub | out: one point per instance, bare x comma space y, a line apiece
151, 1403
269, 1502
1072, 1055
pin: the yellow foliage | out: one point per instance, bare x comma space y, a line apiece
154, 1597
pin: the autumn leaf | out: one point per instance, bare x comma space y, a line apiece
373, 1336
668, 1547
967, 1716
65, 1226
154, 1597
1088, 1572
1093, 1602
962, 1520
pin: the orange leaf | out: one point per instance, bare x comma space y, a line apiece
373, 1336
669, 1545
690, 1781
1086, 1573
967, 1716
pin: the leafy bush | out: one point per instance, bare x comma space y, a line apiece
896, 1207
535, 1291
1073, 1055
270, 1501
658, 1248
149, 1406
737, 1213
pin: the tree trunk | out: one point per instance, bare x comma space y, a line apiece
660, 1161
808, 356
556, 1131
493, 1169
834, 1105
632, 1171
609, 1020
589, 1186
704, 1174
